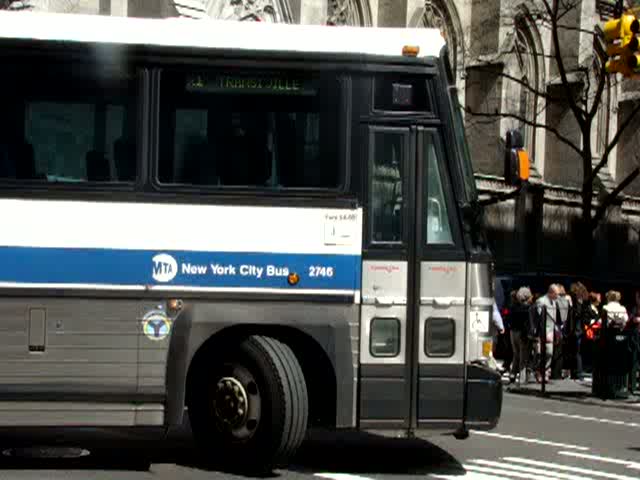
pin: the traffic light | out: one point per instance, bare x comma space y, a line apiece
516, 159
622, 45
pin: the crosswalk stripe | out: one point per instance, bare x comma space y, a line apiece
530, 440
515, 474
508, 469
341, 476
567, 468
598, 458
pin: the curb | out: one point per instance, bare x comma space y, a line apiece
584, 401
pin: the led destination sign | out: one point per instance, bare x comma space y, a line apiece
280, 85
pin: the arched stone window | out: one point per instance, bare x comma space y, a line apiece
523, 80
349, 12
603, 120
439, 14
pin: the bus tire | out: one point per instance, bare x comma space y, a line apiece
252, 411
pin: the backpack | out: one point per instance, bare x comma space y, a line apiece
533, 325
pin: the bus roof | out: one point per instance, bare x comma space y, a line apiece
216, 34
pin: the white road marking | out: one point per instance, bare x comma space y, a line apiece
514, 474
531, 440
341, 476
627, 463
568, 468
470, 476
593, 419
509, 469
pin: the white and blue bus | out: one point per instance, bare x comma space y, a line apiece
261, 228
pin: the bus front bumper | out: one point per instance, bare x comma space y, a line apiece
484, 397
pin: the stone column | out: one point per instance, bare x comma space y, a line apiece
311, 12
392, 13
151, 8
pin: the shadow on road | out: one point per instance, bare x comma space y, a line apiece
57, 458
132, 458
338, 452
363, 453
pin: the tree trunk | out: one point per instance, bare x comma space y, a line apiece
584, 232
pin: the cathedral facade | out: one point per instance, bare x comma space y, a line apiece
502, 51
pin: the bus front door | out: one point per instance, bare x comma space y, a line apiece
412, 325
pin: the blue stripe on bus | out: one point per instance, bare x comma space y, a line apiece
35, 265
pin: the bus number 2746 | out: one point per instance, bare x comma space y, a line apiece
315, 271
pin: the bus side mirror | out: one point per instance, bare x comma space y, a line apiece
516, 160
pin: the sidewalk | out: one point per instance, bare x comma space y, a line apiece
572, 391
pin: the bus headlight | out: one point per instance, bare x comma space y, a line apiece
487, 348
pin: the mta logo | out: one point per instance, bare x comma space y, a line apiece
156, 326
165, 268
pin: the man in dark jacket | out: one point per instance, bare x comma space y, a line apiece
520, 335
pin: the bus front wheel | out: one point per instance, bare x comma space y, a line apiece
253, 408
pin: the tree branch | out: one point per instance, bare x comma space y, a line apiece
577, 111
533, 90
614, 141
558, 135
608, 200
500, 197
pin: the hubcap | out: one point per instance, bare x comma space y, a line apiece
231, 402
236, 402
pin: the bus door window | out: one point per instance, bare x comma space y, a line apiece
387, 186
437, 222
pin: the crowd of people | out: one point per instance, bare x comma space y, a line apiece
565, 325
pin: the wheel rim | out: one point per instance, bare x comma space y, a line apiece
236, 402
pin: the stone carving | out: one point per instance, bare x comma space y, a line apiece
435, 17
247, 10
349, 12
340, 12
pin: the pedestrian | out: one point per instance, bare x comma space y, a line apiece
591, 328
519, 335
558, 367
616, 346
634, 317
617, 315
504, 340
578, 318
634, 326
547, 312
497, 318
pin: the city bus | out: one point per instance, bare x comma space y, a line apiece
254, 229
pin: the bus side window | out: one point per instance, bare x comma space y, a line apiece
437, 221
259, 136
65, 130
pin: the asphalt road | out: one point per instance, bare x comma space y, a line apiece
537, 439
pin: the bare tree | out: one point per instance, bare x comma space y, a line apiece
584, 103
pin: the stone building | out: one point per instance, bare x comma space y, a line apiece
502, 53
